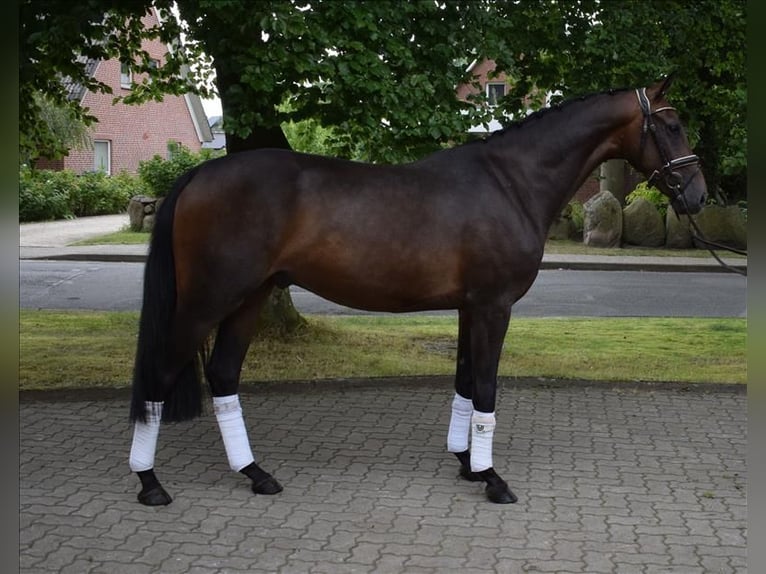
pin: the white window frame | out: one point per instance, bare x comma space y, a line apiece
487, 91
96, 167
126, 77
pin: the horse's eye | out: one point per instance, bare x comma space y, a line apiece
674, 128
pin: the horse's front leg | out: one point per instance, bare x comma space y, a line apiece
462, 406
488, 325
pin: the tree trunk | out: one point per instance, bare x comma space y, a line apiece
279, 316
613, 178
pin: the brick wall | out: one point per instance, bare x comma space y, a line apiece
135, 132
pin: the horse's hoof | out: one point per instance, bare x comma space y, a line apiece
500, 493
268, 485
467, 474
155, 496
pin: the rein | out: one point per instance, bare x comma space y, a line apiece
676, 182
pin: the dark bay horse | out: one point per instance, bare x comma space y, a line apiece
463, 228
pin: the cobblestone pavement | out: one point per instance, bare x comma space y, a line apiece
644, 479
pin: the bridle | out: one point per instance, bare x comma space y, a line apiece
674, 181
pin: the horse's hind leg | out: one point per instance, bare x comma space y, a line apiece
188, 335
223, 373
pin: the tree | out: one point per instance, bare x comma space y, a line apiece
585, 46
58, 40
383, 73
383, 76
62, 125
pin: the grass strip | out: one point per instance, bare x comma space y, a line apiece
88, 349
552, 247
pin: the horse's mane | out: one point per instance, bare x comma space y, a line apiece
543, 112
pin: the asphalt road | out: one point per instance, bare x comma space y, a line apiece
117, 286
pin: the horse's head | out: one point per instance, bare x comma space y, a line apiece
664, 155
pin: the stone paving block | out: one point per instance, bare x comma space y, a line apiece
611, 480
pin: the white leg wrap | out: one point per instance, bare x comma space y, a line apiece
145, 439
459, 424
228, 413
483, 429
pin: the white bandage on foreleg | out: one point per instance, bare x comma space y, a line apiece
459, 424
228, 413
482, 431
145, 439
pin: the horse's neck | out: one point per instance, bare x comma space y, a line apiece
567, 145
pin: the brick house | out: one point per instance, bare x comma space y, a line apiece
128, 134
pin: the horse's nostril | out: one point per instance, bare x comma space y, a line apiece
703, 199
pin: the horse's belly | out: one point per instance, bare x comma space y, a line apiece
390, 290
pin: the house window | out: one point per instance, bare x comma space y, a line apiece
495, 92
102, 156
126, 77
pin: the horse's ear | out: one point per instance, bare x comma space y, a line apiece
664, 86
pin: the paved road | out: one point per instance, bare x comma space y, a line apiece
117, 286
610, 480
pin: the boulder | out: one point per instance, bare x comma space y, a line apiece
603, 220
140, 207
723, 224
677, 233
642, 224
148, 223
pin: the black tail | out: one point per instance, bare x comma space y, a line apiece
184, 399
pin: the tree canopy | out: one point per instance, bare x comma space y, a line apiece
383, 73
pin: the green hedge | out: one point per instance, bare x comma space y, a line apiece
45, 194
158, 174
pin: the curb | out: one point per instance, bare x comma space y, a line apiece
627, 263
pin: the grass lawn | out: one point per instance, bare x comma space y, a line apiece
125, 237
122, 237
77, 349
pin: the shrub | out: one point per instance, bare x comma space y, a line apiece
96, 193
577, 213
45, 194
651, 194
158, 174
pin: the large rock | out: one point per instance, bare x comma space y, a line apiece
139, 207
677, 233
642, 224
603, 220
724, 225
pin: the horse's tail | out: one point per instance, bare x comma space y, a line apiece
184, 398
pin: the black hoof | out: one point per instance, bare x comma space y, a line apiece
268, 485
467, 474
155, 496
497, 489
263, 482
499, 493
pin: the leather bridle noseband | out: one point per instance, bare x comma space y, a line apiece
673, 179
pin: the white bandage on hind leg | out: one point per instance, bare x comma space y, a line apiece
459, 424
482, 432
145, 439
228, 413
